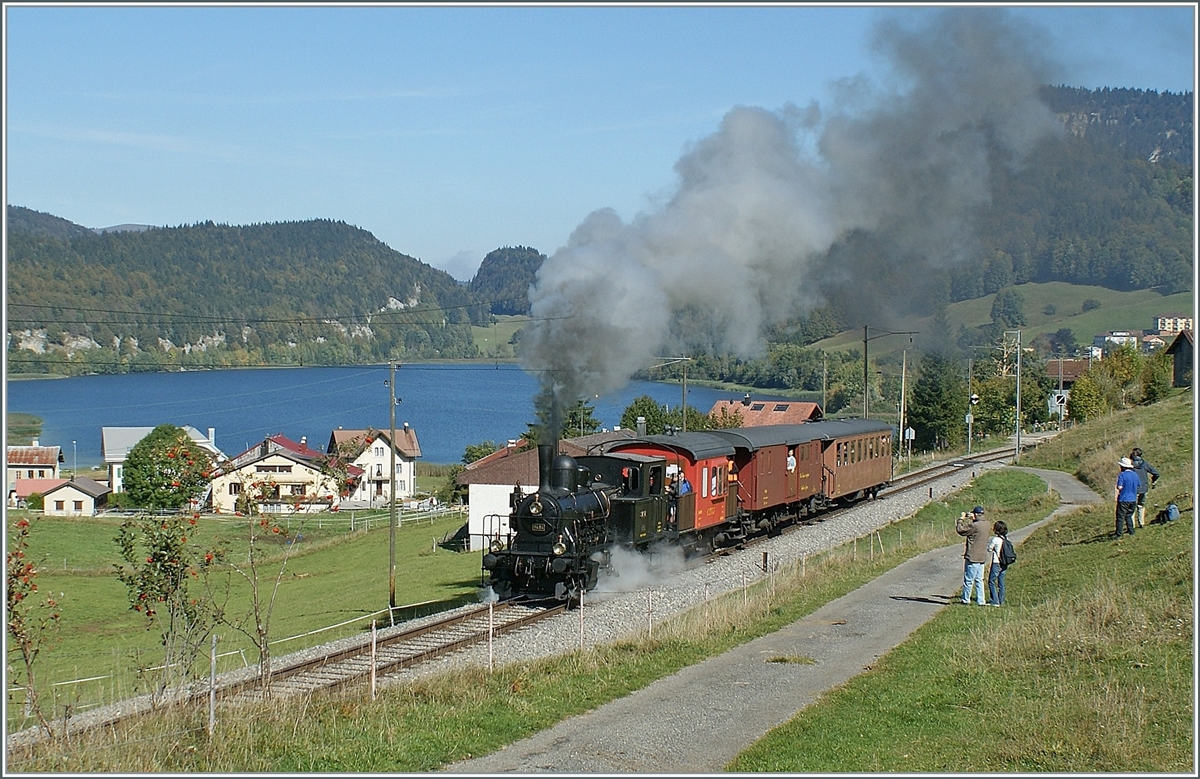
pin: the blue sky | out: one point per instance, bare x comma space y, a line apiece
448, 131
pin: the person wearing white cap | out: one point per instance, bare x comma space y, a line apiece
1127, 489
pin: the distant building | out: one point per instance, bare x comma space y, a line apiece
1172, 323
370, 450
115, 443
1064, 372
31, 462
286, 477
76, 497
1118, 337
1182, 348
767, 412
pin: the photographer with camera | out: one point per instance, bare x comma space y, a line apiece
975, 528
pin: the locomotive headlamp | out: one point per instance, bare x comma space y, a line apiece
497, 545
559, 547
535, 508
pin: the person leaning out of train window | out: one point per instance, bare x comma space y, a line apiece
973, 525
685, 486
791, 460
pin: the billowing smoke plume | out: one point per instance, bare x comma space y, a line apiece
759, 226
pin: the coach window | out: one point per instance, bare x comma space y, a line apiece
704, 482
718, 480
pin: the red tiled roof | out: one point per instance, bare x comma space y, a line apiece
769, 412
26, 487
34, 455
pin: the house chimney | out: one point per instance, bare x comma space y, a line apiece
212, 436
35, 442
304, 440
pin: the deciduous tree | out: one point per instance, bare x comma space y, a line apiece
166, 469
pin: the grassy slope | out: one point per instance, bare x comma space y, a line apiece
337, 576
1118, 310
1090, 670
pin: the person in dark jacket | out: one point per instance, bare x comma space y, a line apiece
1147, 476
975, 528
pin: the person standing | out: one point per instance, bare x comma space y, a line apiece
1147, 476
1127, 487
974, 527
996, 571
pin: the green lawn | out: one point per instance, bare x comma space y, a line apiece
333, 576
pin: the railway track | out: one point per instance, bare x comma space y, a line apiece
338, 668
355, 665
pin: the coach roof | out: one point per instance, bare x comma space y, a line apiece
754, 438
697, 446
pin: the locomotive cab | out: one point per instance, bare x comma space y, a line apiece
639, 512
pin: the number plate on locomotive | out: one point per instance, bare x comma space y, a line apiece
537, 527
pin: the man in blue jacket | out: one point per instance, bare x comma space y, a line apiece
1127, 487
1147, 476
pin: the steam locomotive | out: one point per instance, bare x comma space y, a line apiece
742, 483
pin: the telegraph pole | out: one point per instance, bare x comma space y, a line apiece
392, 401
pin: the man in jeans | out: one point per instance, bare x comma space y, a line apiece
975, 528
1127, 493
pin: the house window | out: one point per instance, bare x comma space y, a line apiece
399, 487
58, 505
41, 473
79, 505
30, 473
379, 470
235, 488
298, 489
379, 451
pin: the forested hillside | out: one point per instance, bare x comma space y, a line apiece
1108, 204
217, 295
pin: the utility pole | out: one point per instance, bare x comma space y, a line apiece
822, 383
392, 401
1017, 452
866, 386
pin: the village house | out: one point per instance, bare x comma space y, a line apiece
490, 481
283, 476
31, 462
115, 443
75, 497
371, 451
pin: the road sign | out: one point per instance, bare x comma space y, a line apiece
1060, 400
909, 434
974, 399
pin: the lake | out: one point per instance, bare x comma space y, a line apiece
450, 405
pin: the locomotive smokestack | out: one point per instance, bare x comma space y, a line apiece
545, 466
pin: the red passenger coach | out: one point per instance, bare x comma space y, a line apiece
705, 461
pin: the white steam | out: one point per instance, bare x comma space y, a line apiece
743, 241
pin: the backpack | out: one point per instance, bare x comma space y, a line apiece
1008, 553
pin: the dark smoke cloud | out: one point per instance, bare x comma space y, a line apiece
746, 239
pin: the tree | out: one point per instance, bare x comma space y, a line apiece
648, 408
1086, 401
166, 469
161, 567
937, 409
581, 420
1157, 374
478, 451
32, 623
1008, 309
